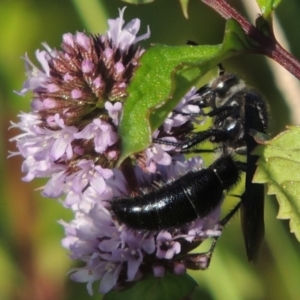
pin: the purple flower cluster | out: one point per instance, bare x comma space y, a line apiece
71, 137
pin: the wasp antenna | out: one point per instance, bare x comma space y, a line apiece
221, 69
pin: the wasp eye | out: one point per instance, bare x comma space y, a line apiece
223, 84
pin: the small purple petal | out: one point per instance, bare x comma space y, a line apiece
119, 67
76, 94
133, 266
124, 38
83, 40
87, 66
55, 186
179, 268
159, 271
68, 39
110, 278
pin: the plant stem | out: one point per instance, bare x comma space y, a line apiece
268, 46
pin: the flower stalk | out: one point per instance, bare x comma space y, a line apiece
268, 45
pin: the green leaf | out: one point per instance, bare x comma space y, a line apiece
267, 7
184, 5
163, 71
170, 287
164, 76
138, 1
279, 167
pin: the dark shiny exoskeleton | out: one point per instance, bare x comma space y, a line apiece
236, 110
192, 196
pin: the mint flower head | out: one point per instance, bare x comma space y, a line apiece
70, 136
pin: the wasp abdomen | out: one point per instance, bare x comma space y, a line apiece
192, 196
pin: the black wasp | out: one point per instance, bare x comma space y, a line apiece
235, 110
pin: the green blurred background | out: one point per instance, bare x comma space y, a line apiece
33, 265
